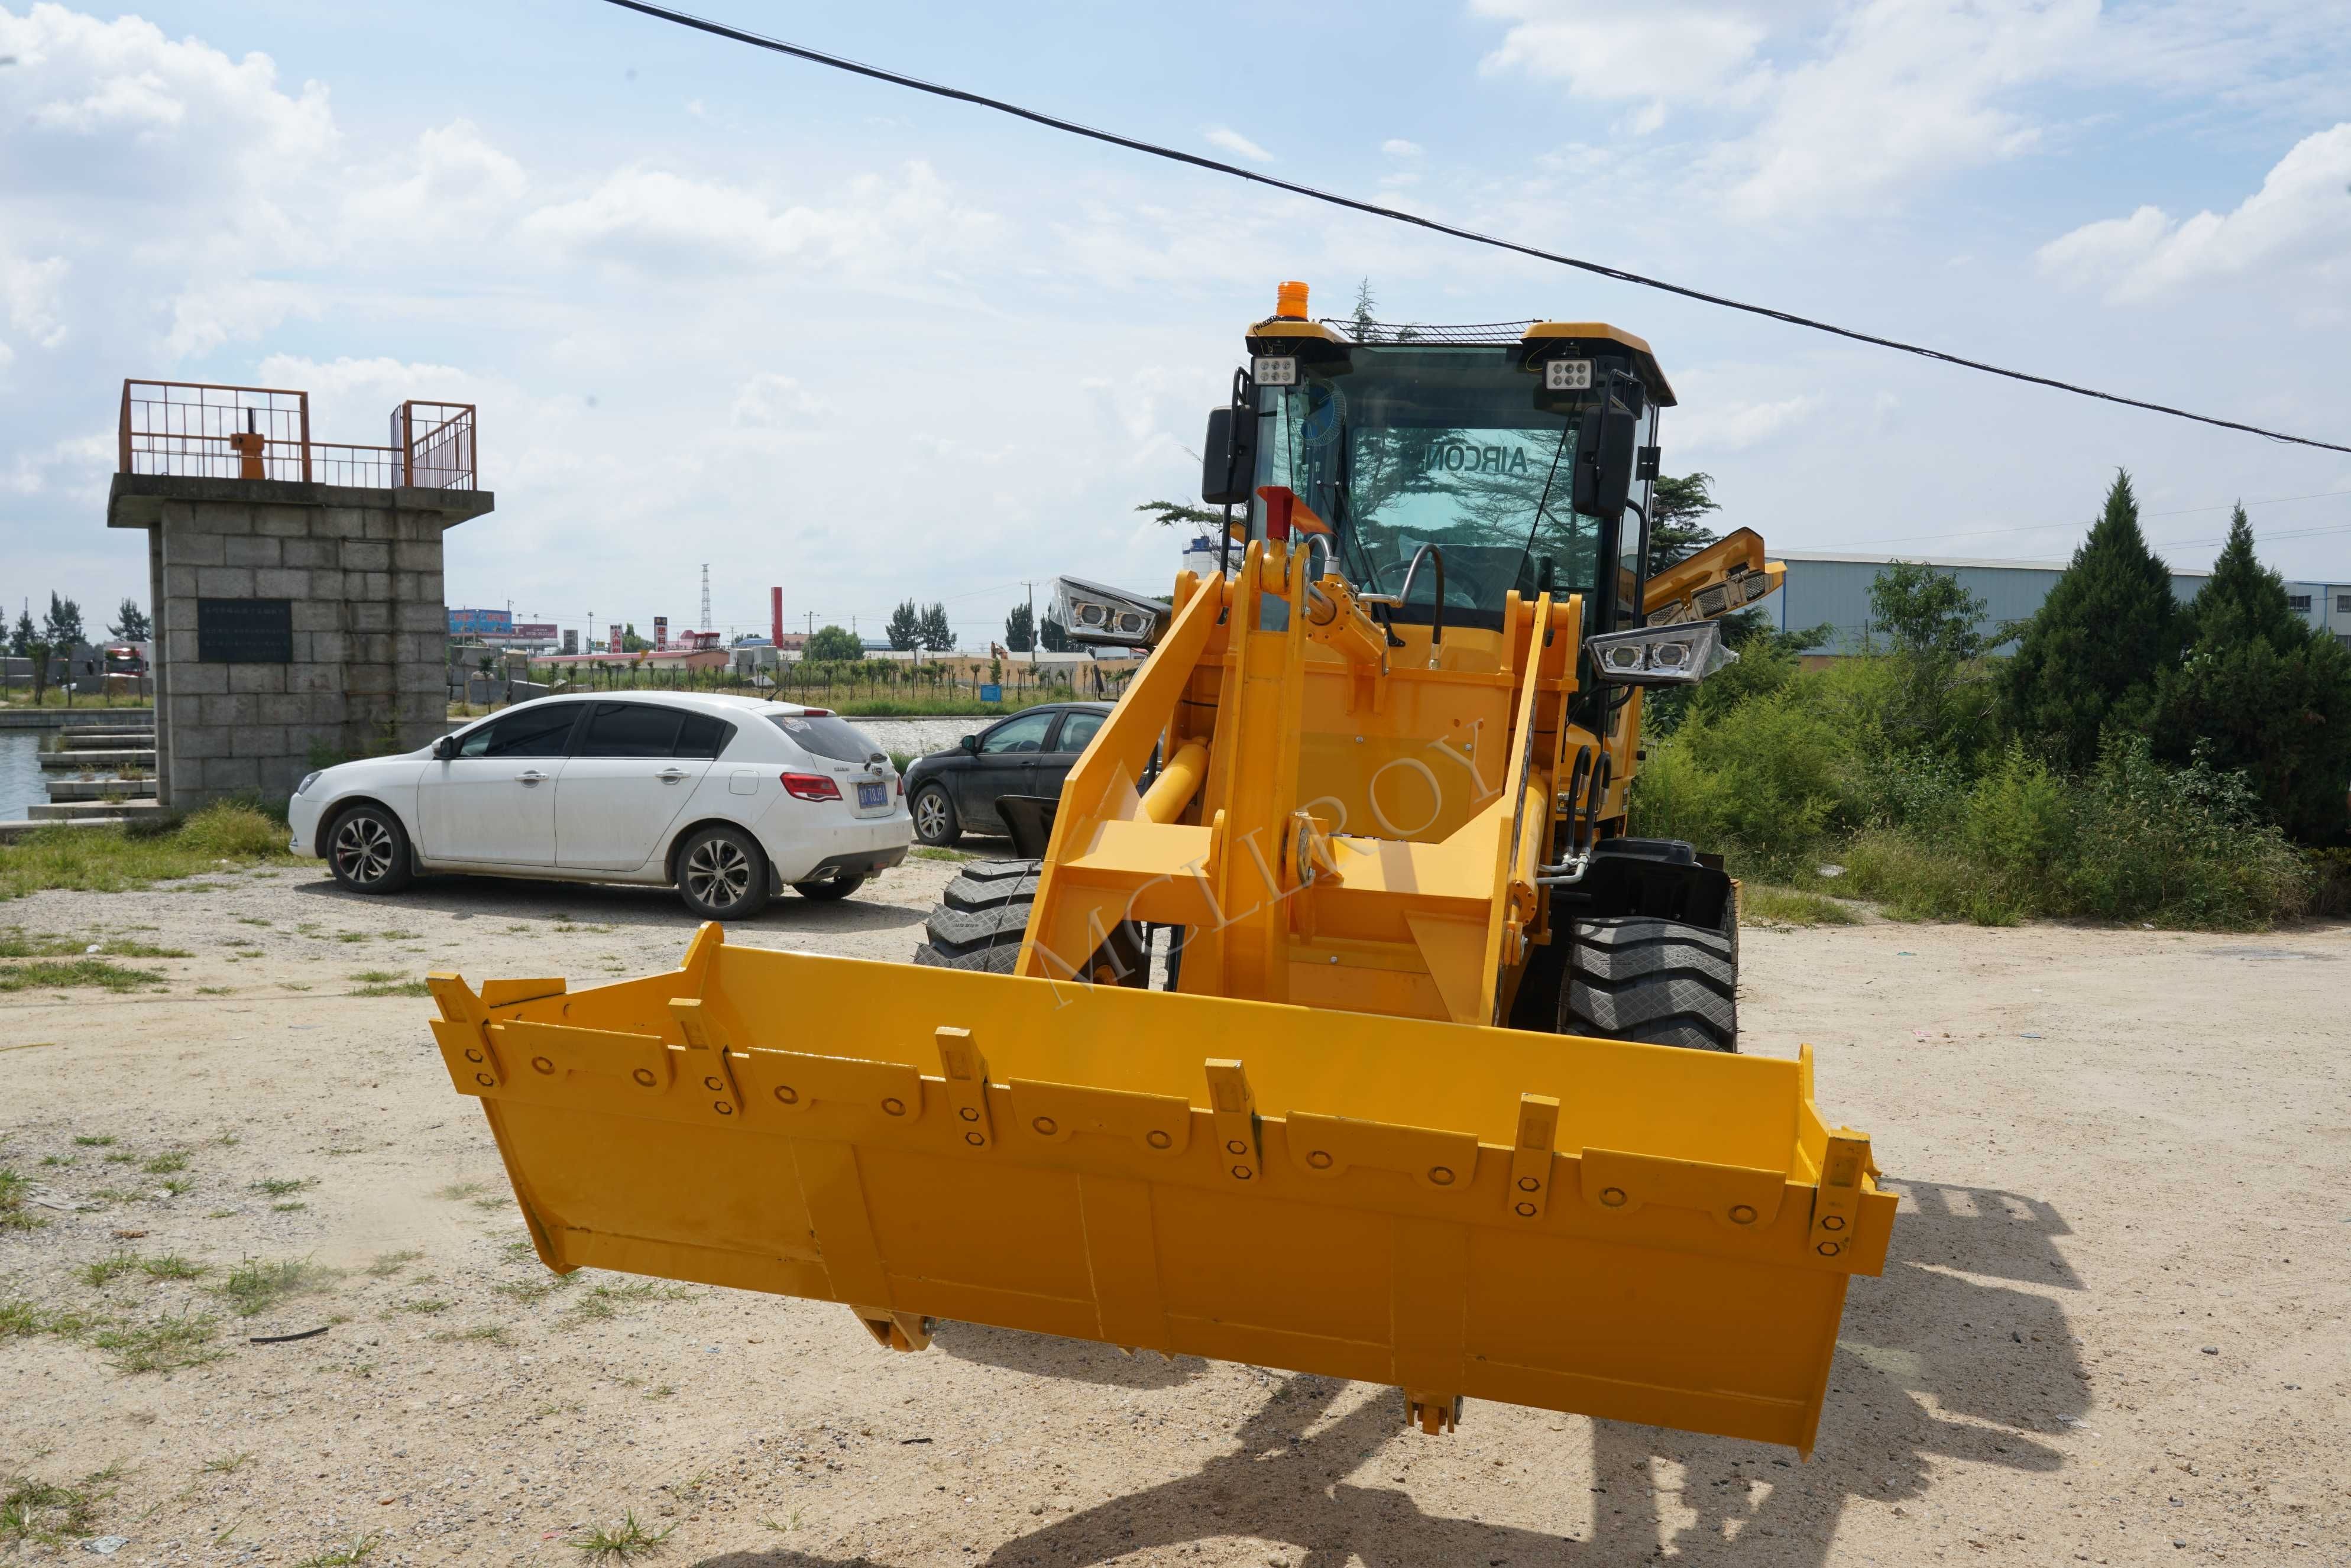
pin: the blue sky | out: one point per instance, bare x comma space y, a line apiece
721, 307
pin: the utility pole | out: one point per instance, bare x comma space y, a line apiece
811, 620
705, 596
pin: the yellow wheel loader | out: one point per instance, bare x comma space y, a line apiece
1330, 1018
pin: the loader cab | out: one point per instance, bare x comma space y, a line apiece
1512, 450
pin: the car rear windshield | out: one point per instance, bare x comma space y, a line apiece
834, 737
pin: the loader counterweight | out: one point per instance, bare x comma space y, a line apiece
1394, 746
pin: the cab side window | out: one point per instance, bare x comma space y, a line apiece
1026, 733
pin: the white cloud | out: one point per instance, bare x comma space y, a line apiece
654, 218
33, 292
1225, 139
2301, 215
1657, 51
449, 181
1398, 147
772, 401
1903, 89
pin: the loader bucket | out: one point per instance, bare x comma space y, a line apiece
1613, 1229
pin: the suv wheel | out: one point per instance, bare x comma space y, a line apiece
367, 850
934, 817
722, 874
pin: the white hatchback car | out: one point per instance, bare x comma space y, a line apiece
730, 800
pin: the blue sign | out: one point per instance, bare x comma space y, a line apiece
991, 693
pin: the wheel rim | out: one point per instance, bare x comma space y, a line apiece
718, 873
931, 814
363, 849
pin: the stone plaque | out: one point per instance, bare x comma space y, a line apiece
244, 631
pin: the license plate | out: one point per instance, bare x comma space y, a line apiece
871, 795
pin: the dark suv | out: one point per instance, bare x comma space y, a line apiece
953, 792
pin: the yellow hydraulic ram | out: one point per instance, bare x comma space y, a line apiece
1616, 1230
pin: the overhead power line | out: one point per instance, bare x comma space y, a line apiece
1155, 150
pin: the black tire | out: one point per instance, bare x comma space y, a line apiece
981, 918
722, 873
935, 822
367, 850
832, 890
984, 915
1631, 977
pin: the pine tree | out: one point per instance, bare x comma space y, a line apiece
20, 639
938, 632
2261, 693
1019, 628
131, 624
1052, 636
905, 628
2089, 657
62, 628
1676, 507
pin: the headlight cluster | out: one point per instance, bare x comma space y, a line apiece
1679, 654
1104, 617
308, 780
1731, 593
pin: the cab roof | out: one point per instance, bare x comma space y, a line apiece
1551, 336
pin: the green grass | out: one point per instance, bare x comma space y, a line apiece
15, 944
172, 1266
227, 1464
359, 1550
94, 1141
480, 1333
463, 1189
933, 852
278, 1187
1762, 905
107, 1270
53, 975
430, 1306
47, 1514
623, 1541
374, 977
387, 1264
399, 988
122, 859
168, 1164
14, 1215
165, 1344
253, 1287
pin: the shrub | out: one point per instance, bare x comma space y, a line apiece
1763, 784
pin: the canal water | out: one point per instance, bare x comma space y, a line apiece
21, 784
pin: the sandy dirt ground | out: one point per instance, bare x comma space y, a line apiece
2113, 1330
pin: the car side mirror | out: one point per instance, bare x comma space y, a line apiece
1605, 452
1229, 457
445, 749
971, 744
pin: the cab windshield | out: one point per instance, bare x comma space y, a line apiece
1456, 447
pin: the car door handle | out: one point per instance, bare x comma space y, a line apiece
672, 775
530, 777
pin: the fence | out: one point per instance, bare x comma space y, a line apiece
197, 430
912, 689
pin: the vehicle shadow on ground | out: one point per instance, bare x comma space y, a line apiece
1044, 1356
612, 903
1918, 1346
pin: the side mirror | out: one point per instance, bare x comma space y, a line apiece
971, 744
1229, 457
1605, 452
445, 749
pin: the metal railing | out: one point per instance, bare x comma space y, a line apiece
198, 429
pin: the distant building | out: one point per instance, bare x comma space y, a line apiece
1833, 590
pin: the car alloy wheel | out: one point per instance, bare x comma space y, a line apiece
717, 873
363, 849
930, 815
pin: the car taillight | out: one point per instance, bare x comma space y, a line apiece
811, 787
902, 786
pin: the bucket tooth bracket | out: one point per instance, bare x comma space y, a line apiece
1531, 1155
966, 1083
1233, 1108
1837, 1202
705, 1059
